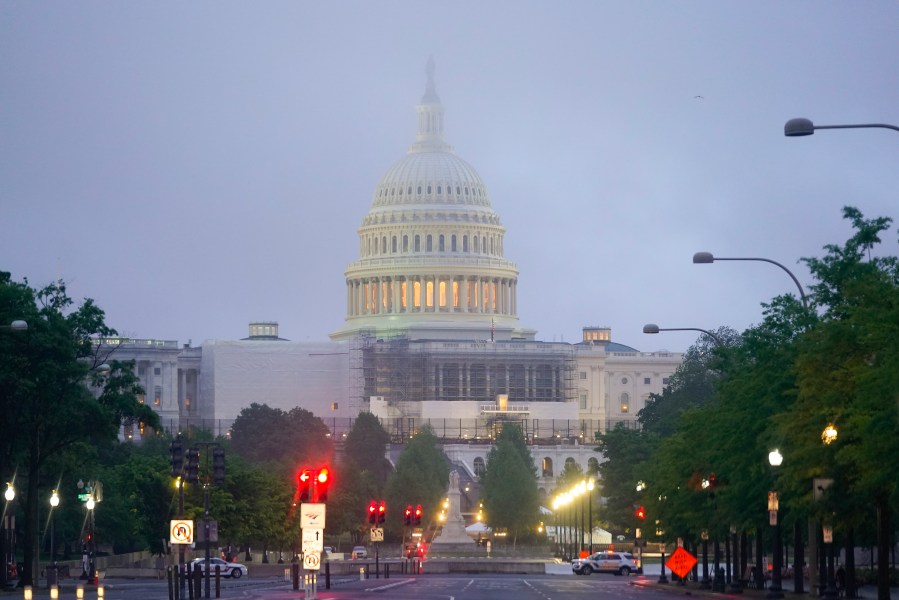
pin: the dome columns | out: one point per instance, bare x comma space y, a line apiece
403, 294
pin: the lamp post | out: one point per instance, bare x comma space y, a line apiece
775, 459
653, 328
704, 258
8, 524
801, 127
90, 505
51, 569
590, 485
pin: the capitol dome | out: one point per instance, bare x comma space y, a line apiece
431, 262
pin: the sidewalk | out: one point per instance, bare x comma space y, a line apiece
692, 588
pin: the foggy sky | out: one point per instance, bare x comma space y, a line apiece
194, 166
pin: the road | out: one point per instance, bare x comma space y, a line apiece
423, 587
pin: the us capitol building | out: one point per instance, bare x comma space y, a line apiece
431, 336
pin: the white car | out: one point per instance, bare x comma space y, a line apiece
619, 563
227, 569
360, 552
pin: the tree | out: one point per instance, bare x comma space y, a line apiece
421, 477
365, 470
626, 452
848, 374
365, 446
293, 438
509, 485
45, 398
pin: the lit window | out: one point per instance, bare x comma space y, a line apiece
624, 403
442, 291
429, 294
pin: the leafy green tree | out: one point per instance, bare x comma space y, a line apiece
294, 438
45, 400
848, 374
363, 475
509, 485
626, 453
421, 477
365, 447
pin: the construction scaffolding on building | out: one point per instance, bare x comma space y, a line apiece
483, 383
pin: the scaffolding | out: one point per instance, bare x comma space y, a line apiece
406, 373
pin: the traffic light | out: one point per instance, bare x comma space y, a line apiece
373, 512
640, 513
320, 486
407, 516
382, 512
193, 466
177, 450
304, 485
418, 515
218, 466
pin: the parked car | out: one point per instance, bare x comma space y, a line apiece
360, 552
227, 569
619, 563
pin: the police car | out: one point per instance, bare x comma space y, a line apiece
607, 561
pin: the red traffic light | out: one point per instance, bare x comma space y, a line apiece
640, 513
373, 512
305, 476
323, 475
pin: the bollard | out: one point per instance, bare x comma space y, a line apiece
170, 582
295, 567
328, 575
26, 593
361, 573
386, 570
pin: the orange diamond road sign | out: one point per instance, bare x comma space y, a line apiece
681, 562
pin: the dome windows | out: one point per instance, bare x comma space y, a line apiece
439, 190
419, 190
429, 189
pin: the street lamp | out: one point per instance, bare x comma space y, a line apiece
54, 502
9, 496
775, 459
590, 485
17, 326
703, 258
653, 328
801, 127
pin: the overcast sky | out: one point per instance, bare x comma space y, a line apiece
194, 166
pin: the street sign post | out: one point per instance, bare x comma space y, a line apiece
181, 531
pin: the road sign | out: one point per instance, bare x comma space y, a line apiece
313, 540
84, 497
681, 562
311, 561
376, 534
181, 531
312, 515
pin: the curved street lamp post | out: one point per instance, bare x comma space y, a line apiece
801, 127
653, 328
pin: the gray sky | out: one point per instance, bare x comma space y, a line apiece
193, 166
